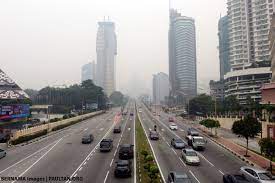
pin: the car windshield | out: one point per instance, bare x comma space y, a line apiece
265, 176
178, 141
104, 143
86, 136
191, 153
199, 140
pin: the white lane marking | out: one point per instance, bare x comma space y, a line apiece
80, 169
174, 151
75, 175
182, 130
129, 129
205, 159
162, 130
111, 162
184, 141
221, 172
182, 161
194, 176
84, 161
162, 176
38, 159
85, 129
115, 153
168, 144
27, 157
106, 176
150, 129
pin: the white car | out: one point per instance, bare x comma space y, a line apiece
190, 157
173, 126
257, 175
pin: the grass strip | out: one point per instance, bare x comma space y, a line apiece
147, 169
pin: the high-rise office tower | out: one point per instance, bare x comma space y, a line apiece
248, 25
88, 72
161, 88
223, 46
182, 55
106, 49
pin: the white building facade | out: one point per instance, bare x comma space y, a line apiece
106, 49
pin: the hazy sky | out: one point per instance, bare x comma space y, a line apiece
45, 42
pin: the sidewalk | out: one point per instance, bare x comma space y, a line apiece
237, 146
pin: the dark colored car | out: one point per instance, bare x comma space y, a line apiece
123, 168
171, 119
154, 135
175, 177
106, 145
177, 143
126, 151
87, 139
234, 179
131, 114
117, 129
2, 153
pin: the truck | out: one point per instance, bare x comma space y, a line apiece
197, 142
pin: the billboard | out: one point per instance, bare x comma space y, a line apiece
13, 111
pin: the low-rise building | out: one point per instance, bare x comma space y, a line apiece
247, 82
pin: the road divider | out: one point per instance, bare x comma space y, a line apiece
147, 167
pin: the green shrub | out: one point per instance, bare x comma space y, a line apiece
144, 153
28, 137
147, 166
149, 158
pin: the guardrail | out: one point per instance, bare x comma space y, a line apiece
50, 126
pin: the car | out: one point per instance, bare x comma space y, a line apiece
192, 132
154, 135
131, 114
227, 178
176, 177
117, 129
106, 145
87, 138
197, 142
177, 143
173, 126
2, 153
190, 156
123, 168
256, 175
171, 119
126, 151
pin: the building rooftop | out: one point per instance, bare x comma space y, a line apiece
9, 89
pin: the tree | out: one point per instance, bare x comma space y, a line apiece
268, 148
248, 127
210, 123
117, 98
201, 104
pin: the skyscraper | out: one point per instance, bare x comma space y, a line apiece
106, 49
88, 72
249, 24
182, 55
223, 46
161, 87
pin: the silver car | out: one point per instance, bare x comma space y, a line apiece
257, 175
2, 153
190, 157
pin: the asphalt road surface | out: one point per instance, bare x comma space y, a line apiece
215, 161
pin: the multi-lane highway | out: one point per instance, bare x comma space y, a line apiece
215, 161
62, 155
